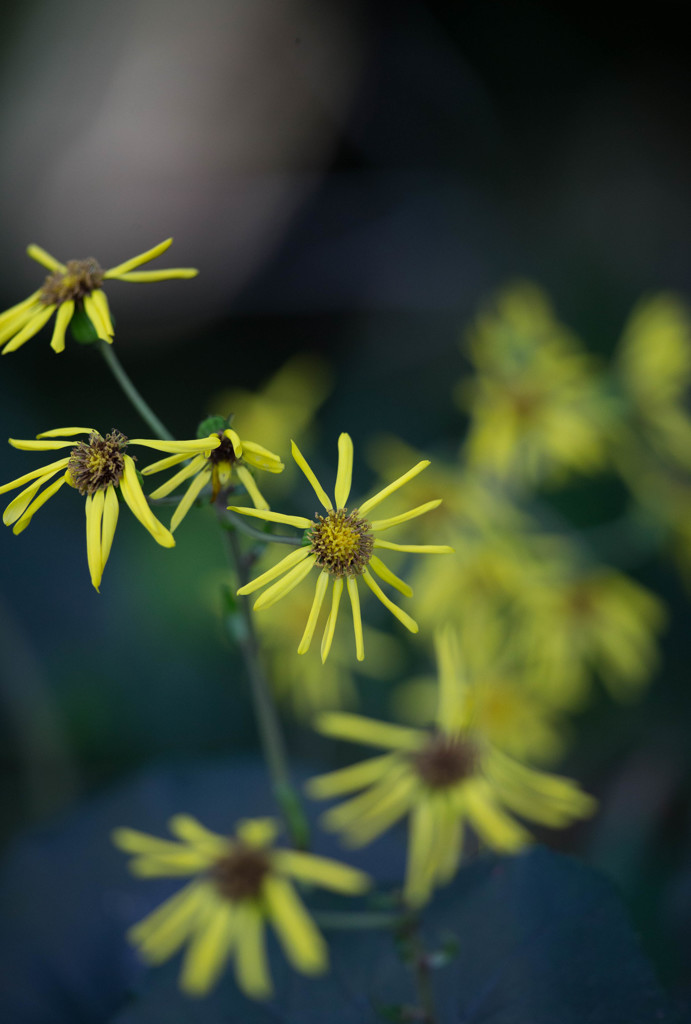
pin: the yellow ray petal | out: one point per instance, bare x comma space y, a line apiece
36, 504
234, 439
497, 828
100, 301
202, 444
388, 576
209, 948
29, 330
19, 308
65, 432
111, 510
191, 831
357, 617
423, 847
321, 871
10, 326
195, 466
261, 458
250, 486
283, 586
251, 964
272, 517
134, 496
309, 473
136, 261
453, 702
62, 319
45, 471
350, 778
162, 932
189, 497
94, 314
169, 462
319, 592
344, 476
44, 258
425, 549
398, 482
259, 832
329, 629
94, 514
385, 524
302, 942
294, 558
402, 616
344, 725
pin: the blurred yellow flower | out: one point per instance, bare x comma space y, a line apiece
582, 623
537, 403
342, 545
72, 287
442, 778
216, 467
240, 883
98, 468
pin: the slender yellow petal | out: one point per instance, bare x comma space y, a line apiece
111, 510
21, 502
388, 576
272, 517
329, 629
131, 840
250, 486
319, 593
259, 832
94, 314
161, 934
33, 327
322, 871
208, 950
136, 261
357, 618
134, 496
169, 462
19, 308
344, 725
453, 704
261, 458
402, 616
283, 586
191, 831
344, 476
493, 825
202, 444
44, 471
423, 844
39, 446
185, 861
394, 805
348, 814
36, 504
234, 439
63, 432
44, 258
386, 491
62, 318
294, 558
11, 326
425, 549
349, 779
94, 514
196, 465
189, 497
149, 276
251, 964
100, 301
309, 473
302, 942
385, 524
450, 845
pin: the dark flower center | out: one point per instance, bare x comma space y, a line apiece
445, 761
225, 451
95, 465
342, 542
81, 278
239, 875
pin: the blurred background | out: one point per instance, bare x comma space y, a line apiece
377, 196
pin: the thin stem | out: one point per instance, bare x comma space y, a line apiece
356, 921
422, 968
142, 407
270, 734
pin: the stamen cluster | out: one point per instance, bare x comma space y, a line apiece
445, 761
225, 451
81, 278
342, 542
95, 465
239, 876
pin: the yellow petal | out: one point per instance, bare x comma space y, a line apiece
388, 576
386, 491
36, 504
66, 432
44, 258
349, 779
194, 447
294, 558
344, 476
321, 871
250, 486
319, 593
329, 629
62, 319
272, 517
44, 471
134, 497
111, 511
94, 514
423, 847
100, 301
344, 725
260, 832
309, 473
283, 586
402, 616
93, 312
424, 549
209, 948
29, 330
159, 935
251, 964
168, 463
385, 524
136, 261
357, 617
197, 464
189, 498
302, 942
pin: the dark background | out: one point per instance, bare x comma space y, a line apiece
351, 181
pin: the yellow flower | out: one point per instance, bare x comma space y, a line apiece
442, 778
240, 883
342, 545
73, 287
216, 467
97, 468
537, 405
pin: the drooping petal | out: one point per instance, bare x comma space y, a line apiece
294, 558
261, 458
251, 963
390, 488
344, 725
21, 501
250, 486
357, 617
195, 466
402, 616
350, 778
194, 447
283, 586
423, 842
309, 473
329, 629
136, 261
62, 319
111, 511
11, 325
162, 932
344, 476
100, 301
384, 573
209, 947
94, 515
45, 471
168, 463
36, 504
134, 496
185, 861
234, 439
322, 871
93, 312
497, 828
34, 325
319, 593
302, 942
189, 497
44, 258
385, 524
272, 517
19, 308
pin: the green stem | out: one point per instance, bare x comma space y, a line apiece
410, 931
142, 407
355, 921
270, 734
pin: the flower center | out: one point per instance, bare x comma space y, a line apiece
445, 761
342, 542
81, 278
225, 451
239, 875
95, 465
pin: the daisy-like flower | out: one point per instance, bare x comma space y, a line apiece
442, 778
98, 468
341, 544
240, 884
231, 456
72, 287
